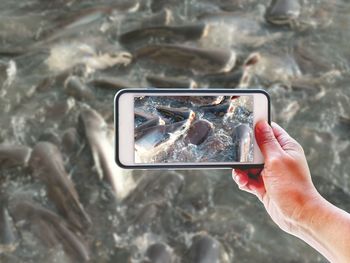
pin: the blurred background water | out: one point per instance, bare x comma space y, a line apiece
57, 57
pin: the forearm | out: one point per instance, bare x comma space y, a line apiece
327, 229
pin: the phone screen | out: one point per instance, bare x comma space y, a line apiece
193, 129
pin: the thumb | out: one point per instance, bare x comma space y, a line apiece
266, 140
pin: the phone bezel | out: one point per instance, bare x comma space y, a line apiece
185, 91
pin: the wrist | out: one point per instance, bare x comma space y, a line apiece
307, 213
324, 227
312, 215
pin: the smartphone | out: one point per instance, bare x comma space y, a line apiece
181, 129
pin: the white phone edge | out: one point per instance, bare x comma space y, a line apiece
124, 125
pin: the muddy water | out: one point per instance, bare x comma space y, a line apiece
304, 64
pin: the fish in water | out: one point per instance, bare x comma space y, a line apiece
206, 249
159, 253
176, 114
157, 5
73, 23
50, 229
234, 79
8, 232
198, 60
102, 149
70, 140
224, 80
145, 209
198, 132
242, 137
165, 188
66, 55
133, 22
47, 163
283, 12
343, 119
74, 87
169, 33
112, 83
148, 124
154, 136
14, 155
171, 82
218, 110
141, 114
200, 100
159, 140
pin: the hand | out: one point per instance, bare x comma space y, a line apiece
284, 185
289, 196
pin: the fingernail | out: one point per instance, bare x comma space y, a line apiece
234, 176
239, 180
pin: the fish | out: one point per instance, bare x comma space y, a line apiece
198, 132
161, 18
206, 249
242, 137
111, 83
225, 80
197, 60
140, 113
73, 86
171, 82
157, 141
8, 233
218, 110
51, 137
72, 23
146, 216
158, 253
169, 33
154, 136
102, 150
311, 61
47, 164
283, 12
234, 79
50, 229
252, 60
144, 209
138, 131
88, 53
289, 112
176, 114
343, 119
164, 188
200, 100
157, 5
12, 155
70, 140
58, 79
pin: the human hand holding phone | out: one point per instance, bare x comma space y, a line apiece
285, 188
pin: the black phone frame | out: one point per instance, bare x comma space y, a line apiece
183, 91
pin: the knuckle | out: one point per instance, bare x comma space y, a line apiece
295, 144
275, 160
299, 148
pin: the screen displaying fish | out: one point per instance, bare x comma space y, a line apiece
192, 129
